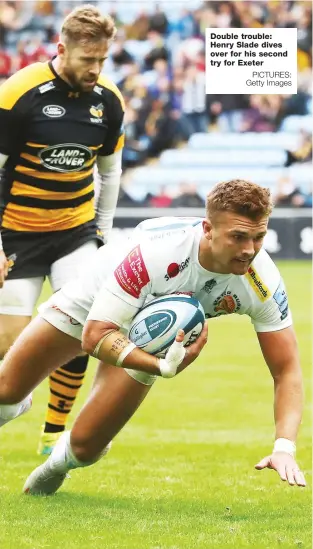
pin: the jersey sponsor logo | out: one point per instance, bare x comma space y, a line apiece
257, 284
46, 87
175, 268
54, 111
226, 303
66, 157
209, 285
280, 296
132, 274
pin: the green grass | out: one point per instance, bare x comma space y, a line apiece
181, 474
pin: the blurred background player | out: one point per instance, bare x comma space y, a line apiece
58, 119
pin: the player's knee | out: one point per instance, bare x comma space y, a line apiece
6, 340
7, 337
10, 394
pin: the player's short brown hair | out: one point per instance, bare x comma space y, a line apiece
87, 23
241, 197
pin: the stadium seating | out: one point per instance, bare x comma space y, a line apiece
296, 123
249, 140
227, 157
147, 179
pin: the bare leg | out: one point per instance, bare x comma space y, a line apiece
10, 328
38, 350
114, 398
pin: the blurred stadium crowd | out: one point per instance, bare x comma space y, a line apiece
180, 141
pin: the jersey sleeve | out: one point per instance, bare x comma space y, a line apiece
13, 116
114, 140
270, 312
125, 290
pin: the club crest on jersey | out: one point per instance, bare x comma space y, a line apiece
97, 111
175, 268
66, 157
257, 284
227, 303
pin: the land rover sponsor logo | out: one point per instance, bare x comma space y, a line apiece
66, 157
54, 111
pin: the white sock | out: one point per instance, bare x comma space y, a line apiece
63, 459
11, 411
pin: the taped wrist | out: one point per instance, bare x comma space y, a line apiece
285, 445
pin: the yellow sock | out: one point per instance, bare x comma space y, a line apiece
65, 383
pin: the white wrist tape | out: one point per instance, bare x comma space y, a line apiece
285, 445
130, 347
174, 357
1, 245
166, 369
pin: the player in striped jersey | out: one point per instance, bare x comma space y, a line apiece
59, 120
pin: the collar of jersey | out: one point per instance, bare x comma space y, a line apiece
60, 82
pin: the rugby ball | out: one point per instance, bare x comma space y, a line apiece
155, 326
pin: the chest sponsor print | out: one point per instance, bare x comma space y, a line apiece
132, 274
66, 157
175, 268
54, 111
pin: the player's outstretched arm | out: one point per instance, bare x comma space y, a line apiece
281, 355
104, 341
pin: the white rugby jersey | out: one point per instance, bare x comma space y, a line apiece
162, 258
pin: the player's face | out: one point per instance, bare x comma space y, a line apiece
234, 241
83, 62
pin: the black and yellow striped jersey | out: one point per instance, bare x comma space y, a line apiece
52, 135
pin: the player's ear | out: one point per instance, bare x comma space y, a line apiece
207, 229
61, 48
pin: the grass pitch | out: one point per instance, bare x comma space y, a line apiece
181, 474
